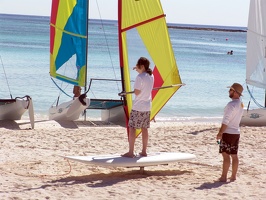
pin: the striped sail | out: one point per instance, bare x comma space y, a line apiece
148, 19
68, 41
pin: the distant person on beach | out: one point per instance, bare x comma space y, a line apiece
229, 133
140, 113
76, 91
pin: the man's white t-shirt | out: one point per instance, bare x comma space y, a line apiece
232, 116
144, 82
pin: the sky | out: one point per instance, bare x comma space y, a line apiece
201, 12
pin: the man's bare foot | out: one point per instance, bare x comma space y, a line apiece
129, 155
143, 154
222, 179
232, 179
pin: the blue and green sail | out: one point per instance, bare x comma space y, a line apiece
68, 39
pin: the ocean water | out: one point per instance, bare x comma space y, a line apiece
201, 55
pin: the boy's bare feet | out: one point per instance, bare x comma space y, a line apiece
143, 154
232, 179
129, 155
222, 179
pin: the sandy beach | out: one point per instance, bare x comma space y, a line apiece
31, 166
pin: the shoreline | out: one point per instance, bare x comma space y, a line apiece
158, 119
169, 25
206, 28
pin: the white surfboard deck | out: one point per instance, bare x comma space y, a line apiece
31, 113
159, 158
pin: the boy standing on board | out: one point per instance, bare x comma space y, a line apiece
140, 113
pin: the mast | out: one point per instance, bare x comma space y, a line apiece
121, 58
265, 89
86, 53
265, 99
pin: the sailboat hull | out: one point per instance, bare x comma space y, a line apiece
256, 60
254, 117
114, 115
13, 109
68, 111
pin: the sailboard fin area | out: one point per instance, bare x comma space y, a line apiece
152, 159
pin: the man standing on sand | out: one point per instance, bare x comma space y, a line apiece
229, 132
140, 113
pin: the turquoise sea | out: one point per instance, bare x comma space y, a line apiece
201, 55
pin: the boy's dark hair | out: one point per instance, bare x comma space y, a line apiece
146, 63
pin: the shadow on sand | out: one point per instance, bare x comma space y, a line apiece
103, 180
9, 124
211, 185
98, 180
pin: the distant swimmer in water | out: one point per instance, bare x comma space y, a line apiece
230, 52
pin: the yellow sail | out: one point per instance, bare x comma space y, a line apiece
147, 17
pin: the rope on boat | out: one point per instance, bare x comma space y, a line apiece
254, 100
6, 77
108, 48
61, 89
28, 99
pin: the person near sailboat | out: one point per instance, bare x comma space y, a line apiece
140, 114
68, 45
229, 133
76, 91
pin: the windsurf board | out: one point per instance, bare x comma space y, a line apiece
158, 158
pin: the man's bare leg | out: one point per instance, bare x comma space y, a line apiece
226, 165
235, 162
131, 141
145, 138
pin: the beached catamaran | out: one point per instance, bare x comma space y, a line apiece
14, 108
256, 62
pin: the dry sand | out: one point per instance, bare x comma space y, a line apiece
31, 168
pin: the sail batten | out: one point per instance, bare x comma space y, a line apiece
68, 32
141, 23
